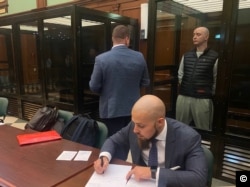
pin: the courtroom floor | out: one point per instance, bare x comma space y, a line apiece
19, 123
15, 122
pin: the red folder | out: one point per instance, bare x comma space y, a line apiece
38, 137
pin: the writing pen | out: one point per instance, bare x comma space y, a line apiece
128, 179
130, 175
102, 162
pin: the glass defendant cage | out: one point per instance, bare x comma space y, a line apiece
173, 22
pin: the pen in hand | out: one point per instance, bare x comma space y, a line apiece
128, 179
130, 174
102, 162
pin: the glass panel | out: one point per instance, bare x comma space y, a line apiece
29, 44
164, 51
132, 42
239, 102
93, 42
161, 75
175, 22
7, 74
58, 59
164, 92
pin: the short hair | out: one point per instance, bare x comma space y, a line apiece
121, 31
204, 29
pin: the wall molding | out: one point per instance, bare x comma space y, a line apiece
3, 6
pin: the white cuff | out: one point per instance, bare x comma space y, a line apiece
106, 154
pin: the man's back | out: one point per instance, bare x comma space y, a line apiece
118, 75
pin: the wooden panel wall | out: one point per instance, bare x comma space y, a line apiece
129, 8
41, 3
29, 58
164, 44
3, 47
3, 57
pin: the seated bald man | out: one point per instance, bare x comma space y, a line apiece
177, 145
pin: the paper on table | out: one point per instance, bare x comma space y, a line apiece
66, 155
111, 177
82, 156
143, 183
115, 176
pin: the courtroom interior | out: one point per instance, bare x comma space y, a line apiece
48, 50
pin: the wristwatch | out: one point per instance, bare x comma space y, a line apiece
153, 171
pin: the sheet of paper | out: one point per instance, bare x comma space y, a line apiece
82, 156
143, 183
115, 176
67, 155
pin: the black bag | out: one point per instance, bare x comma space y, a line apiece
81, 129
43, 119
59, 124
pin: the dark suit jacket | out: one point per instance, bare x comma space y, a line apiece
183, 148
118, 76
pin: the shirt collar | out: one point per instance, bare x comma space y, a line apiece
118, 45
163, 134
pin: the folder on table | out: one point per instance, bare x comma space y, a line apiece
38, 137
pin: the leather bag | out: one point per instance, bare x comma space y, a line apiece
44, 119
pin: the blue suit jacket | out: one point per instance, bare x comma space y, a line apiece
118, 76
183, 148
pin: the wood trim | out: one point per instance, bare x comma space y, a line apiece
3, 10
131, 8
41, 3
3, 6
3, 3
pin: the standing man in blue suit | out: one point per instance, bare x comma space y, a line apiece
117, 77
178, 146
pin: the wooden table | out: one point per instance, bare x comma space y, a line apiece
36, 164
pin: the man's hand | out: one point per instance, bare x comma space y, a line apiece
101, 164
139, 173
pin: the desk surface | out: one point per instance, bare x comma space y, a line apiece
36, 164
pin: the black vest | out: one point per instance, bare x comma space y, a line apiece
197, 80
